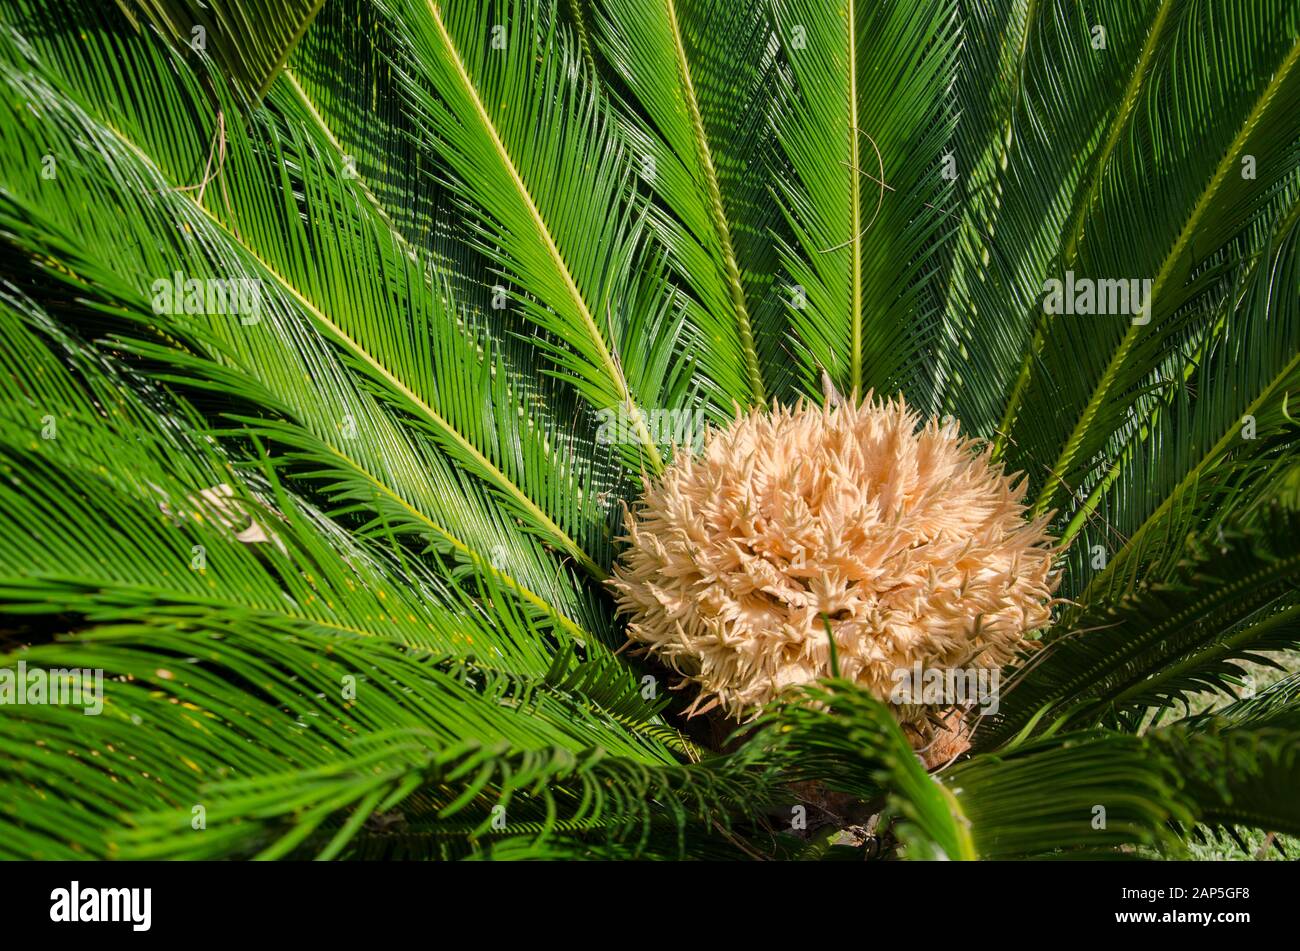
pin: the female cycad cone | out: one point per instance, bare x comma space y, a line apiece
907, 540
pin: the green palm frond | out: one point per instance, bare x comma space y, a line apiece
1275, 702
293, 339
1148, 649
864, 198
1239, 775
482, 103
1114, 789
1164, 213
160, 575
701, 130
1041, 109
1212, 441
1108, 790
842, 737
251, 40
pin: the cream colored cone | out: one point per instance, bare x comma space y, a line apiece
905, 536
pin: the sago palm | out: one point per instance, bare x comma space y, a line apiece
345, 345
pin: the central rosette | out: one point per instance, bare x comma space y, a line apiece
904, 538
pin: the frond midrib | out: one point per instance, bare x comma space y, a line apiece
855, 209
608, 364
717, 210
1272, 573
457, 543
1206, 656
491, 473
280, 63
1215, 452
1101, 390
528, 595
1118, 123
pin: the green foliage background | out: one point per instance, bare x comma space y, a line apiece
682, 204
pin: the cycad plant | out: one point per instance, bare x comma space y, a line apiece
340, 342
